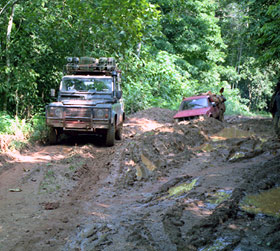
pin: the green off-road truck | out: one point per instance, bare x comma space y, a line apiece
89, 101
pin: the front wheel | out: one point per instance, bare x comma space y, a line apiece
52, 136
110, 136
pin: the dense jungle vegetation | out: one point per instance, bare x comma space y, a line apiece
166, 49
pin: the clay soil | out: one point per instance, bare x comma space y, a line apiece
165, 186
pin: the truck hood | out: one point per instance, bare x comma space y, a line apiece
85, 102
191, 113
80, 102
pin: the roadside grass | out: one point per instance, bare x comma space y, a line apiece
263, 114
16, 133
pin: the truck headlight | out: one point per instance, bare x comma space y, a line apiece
55, 112
101, 113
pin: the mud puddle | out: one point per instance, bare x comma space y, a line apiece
231, 133
266, 202
216, 198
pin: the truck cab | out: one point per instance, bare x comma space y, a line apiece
89, 101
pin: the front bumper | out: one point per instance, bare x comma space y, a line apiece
78, 124
76, 118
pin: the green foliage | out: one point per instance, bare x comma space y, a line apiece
23, 131
17, 145
265, 18
256, 85
233, 21
41, 42
242, 26
154, 82
5, 123
14, 126
39, 128
166, 49
235, 104
190, 30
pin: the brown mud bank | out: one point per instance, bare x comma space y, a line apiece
166, 186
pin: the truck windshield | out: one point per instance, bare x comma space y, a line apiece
194, 104
87, 84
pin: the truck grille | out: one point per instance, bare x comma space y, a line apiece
78, 112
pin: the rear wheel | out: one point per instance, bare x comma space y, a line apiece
110, 136
119, 131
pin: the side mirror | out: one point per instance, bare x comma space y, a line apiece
119, 94
52, 92
213, 104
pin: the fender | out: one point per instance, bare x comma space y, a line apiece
113, 114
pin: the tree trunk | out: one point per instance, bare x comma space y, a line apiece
139, 49
8, 60
250, 98
238, 62
4, 8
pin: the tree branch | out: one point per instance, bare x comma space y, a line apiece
3, 9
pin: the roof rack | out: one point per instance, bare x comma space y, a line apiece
90, 65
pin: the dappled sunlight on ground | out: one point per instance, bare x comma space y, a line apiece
42, 156
143, 125
149, 120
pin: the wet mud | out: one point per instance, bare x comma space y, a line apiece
196, 185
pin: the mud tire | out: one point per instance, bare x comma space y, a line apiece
119, 132
52, 136
110, 136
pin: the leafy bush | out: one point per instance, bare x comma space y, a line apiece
14, 126
22, 131
17, 145
235, 104
5, 123
39, 128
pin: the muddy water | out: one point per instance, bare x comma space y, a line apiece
219, 244
182, 188
214, 199
267, 202
230, 133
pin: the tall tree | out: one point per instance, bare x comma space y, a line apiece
8, 59
191, 30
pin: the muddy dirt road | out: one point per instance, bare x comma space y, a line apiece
199, 185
